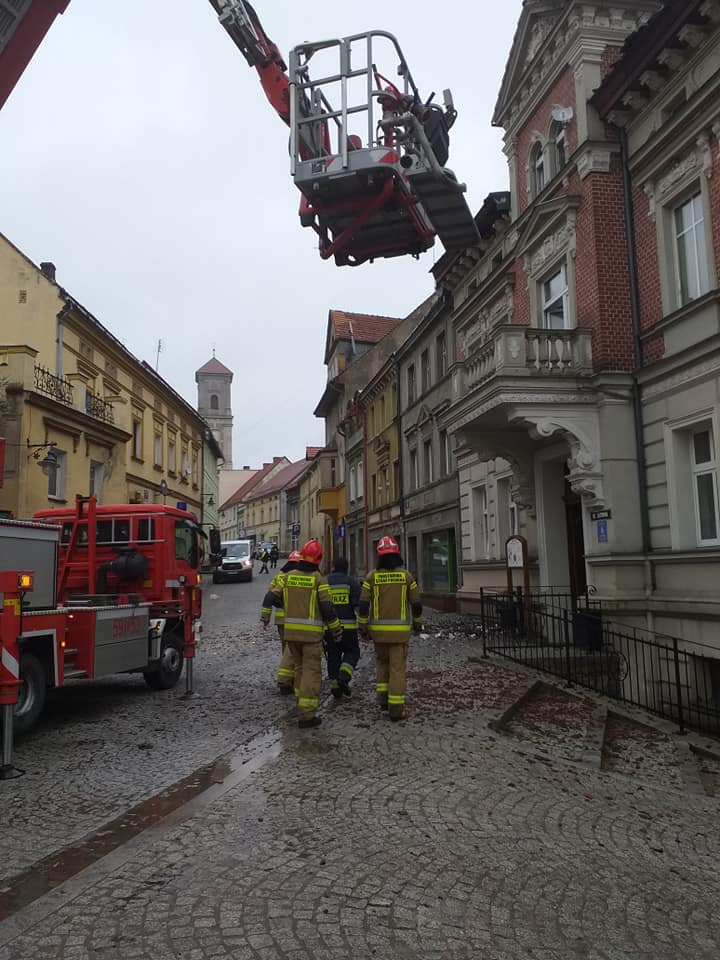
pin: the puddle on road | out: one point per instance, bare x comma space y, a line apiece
174, 804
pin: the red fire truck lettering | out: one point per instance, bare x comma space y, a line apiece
125, 627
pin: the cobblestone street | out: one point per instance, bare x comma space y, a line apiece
437, 838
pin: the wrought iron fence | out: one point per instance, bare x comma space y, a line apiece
572, 638
97, 407
52, 386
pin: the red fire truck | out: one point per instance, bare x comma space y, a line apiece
93, 591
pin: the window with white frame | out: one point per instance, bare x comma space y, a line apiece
57, 476
351, 484
414, 470
445, 464
537, 169
481, 524
555, 300
558, 137
692, 274
360, 482
428, 461
704, 467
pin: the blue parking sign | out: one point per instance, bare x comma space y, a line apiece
602, 531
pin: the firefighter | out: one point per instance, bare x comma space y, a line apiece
286, 670
343, 656
305, 597
383, 615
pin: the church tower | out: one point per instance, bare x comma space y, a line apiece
214, 382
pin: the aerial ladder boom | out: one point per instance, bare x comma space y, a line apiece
371, 169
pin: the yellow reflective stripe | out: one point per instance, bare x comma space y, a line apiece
346, 668
403, 601
366, 584
304, 627
382, 687
413, 585
349, 624
396, 699
279, 615
363, 620
333, 624
283, 672
376, 602
267, 610
307, 702
388, 627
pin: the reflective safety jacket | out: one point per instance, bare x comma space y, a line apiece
345, 594
277, 581
390, 605
304, 595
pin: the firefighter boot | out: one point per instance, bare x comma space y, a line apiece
308, 723
335, 689
345, 675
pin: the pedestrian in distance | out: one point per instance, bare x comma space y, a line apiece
389, 609
286, 670
343, 655
309, 611
274, 554
264, 560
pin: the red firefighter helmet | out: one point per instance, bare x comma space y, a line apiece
312, 552
295, 557
387, 545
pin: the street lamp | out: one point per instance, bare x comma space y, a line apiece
49, 461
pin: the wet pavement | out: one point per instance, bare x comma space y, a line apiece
436, 838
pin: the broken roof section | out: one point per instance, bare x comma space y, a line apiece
360, 328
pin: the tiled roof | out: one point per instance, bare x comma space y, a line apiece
242, 492
362, 327
214, 366
286, 477
312, 452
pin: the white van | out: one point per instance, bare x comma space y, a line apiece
236, 562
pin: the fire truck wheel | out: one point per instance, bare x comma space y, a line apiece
169, 667
32, 693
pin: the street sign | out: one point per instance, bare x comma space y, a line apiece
515, 552
295, 529
602, 531
600, 515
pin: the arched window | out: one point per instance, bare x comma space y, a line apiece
538, 177
214, 401
558, 141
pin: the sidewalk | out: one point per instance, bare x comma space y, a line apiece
437, 839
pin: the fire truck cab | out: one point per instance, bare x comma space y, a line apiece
114, 589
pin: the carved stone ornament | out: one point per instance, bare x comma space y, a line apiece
716, 133
581, 431
653, 80
711, 9
539, 33
563, 239
700, 160
692, 34
594, 160
481, 331
672, 58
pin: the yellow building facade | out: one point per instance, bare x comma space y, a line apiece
71, 393
380, 407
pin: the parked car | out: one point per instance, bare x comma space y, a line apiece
235, 561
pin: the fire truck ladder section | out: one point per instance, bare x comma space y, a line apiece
372, 182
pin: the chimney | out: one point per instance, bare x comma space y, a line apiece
48, 270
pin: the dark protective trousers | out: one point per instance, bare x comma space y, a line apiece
342, 657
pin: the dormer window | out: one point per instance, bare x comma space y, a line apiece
537, 169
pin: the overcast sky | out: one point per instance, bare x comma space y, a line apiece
139, 154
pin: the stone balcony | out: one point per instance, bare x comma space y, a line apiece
520, 351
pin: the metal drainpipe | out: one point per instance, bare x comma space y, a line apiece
60, 339
365, 490
401, 484
638, 355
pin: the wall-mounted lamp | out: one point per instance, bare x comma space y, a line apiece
47, 462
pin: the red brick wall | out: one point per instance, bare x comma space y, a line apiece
609, 58
521, 296
715, 208
563, 95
